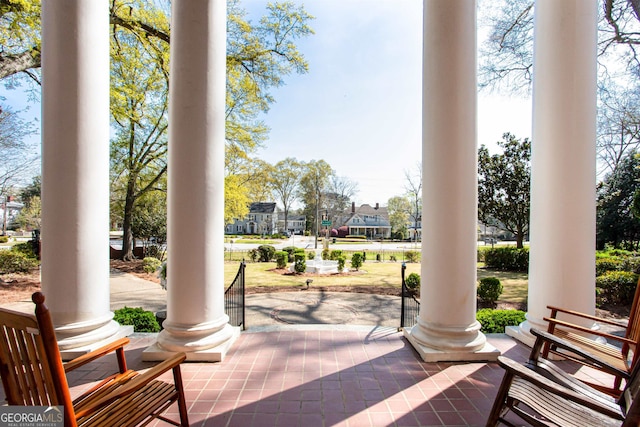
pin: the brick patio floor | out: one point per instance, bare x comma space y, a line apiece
319, 378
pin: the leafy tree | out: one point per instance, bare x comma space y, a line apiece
504, 186
399, 209
139, 93
20, 40
30, 217
616, 224
314, 184
149, 221
413, 187
284, 180
236, 202
31, 190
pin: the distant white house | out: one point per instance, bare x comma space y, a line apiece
372, 222
296, 224
261, 219
9, 211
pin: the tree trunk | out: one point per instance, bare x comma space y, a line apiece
127, 236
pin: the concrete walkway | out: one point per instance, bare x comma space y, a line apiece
304, 307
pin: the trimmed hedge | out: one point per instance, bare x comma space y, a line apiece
151, 265
281, 259
494, 321
16, 262
140, 319
413, 281
490, 289
300, 263
356, 261
616, 287
508, 258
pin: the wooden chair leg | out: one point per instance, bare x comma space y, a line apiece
499, 402
182, 404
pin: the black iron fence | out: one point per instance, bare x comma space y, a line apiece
234, 299
410, 306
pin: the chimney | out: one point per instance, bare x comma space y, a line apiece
353, 207
377, 206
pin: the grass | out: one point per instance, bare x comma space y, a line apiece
370, 274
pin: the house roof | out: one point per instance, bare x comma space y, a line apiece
262, 207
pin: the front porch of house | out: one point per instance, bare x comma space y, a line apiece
330, 376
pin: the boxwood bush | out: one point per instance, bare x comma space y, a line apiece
356, 261
300, 263
494, 321
16, 262
140, 319
151, 265
282, 258
413, 281
508, 258
490, 289
616, 287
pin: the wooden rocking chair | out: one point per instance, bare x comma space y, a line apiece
33, 375
543, 395
618, 360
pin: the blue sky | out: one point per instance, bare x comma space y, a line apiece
359, 107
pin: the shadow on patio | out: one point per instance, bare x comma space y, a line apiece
328, 376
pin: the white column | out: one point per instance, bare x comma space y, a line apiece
75, 170
563, 160
196, 322
447, 328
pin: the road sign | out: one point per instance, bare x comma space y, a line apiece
326, 223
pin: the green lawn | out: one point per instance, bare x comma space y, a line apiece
371, 273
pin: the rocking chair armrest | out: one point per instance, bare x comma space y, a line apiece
117, 346
135, 383
584, 316
545, 337
590, 331
544, 383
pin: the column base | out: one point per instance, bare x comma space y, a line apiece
438, 343
71, 353
156, 352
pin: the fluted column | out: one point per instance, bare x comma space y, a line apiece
75, 171
447, 328
196, 322
563, 160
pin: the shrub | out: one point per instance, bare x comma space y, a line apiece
290, 250
142, 320
607, 264
490, 289
333, 256
150, 264
266, 253
4, 239
616, 287
494, 321
24, 248
507, 258
392, 258
253, 254
281, 259
325, 254
312, 255
412, 281
16, 262
341, 260
412, 256
631, 264
356, 261
300, 265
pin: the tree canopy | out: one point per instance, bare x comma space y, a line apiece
504, 186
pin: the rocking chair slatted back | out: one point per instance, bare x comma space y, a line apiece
24, 363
